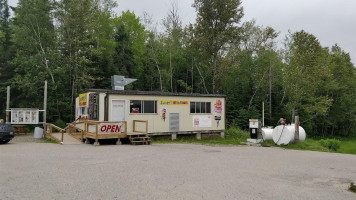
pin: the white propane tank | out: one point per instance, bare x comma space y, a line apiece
285, 134
267, 133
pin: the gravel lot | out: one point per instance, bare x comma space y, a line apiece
171, 171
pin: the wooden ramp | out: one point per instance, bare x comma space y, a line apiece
67, 139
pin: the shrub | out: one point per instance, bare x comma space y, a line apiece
331, 144
60, 123
352, 187
237, 133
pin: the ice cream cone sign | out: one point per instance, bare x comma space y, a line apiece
163, 114
218, 110
218, 106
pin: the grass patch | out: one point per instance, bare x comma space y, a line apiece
49, 140
234, 136
352, 187
347, 146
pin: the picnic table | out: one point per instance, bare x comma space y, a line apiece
20, 129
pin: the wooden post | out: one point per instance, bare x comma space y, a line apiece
134, 126
263, 114
62, 135
45, 103
44, 130
270, 91
146, 127
50, 130
297, 123
8, 104
70, 129
96, 135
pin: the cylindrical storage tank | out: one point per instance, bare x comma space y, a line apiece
302, 133
38, 133
285, 134
282, 135
267, 133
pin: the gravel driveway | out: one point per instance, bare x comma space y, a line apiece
171, 171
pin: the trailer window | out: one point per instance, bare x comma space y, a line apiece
200, 107
141, 106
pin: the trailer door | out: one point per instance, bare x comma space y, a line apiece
118, 110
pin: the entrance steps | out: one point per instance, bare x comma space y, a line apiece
139, 139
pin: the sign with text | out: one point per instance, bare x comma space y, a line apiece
83, 99
169, 102
24, 116
93, 109
111, 128
201, 121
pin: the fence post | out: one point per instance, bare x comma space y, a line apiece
146, 127
96, 135
44, 130
62, 135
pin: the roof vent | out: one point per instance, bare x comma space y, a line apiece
119, 82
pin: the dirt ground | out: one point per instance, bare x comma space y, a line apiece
30, 170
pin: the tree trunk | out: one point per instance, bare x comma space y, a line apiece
214, 72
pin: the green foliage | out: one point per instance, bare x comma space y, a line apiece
60, 123
331, 144
216, 26
49, 140
352, 187
79, 44
347, 146
234, 136
237, 133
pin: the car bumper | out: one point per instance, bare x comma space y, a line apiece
6, 136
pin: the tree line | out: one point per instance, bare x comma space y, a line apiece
80, 44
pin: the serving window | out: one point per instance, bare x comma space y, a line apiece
200, 107
143, 106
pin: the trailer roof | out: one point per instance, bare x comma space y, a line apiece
154, 93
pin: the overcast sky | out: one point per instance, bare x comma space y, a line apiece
331, 21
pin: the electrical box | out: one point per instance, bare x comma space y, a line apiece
254, 126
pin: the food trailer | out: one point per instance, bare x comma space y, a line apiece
166, 113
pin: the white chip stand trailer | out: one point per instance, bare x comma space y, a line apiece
166, 113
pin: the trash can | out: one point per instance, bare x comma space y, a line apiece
38, 133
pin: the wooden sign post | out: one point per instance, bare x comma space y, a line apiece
297, 123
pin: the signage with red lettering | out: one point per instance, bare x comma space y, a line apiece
111, 128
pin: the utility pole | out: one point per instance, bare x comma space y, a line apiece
270, 91
297, 124
8, 104
45, 103
263, 114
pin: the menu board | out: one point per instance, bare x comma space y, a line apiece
24, 116
201, 121
93, 109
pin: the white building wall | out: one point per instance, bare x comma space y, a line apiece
157, 124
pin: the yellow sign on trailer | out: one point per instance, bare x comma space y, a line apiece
83, 99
